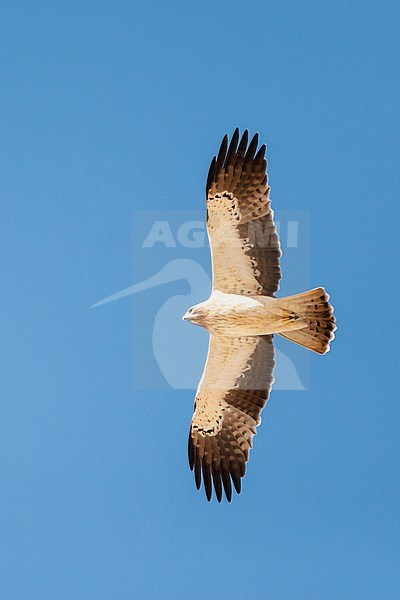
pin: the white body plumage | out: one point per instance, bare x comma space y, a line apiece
236, 315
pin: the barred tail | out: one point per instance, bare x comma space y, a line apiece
315, 321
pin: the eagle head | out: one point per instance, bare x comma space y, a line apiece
197, 314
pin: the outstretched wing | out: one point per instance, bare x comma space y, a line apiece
234, 388
243, 239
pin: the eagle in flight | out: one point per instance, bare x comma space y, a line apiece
241, 316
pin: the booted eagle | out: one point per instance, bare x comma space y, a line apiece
242, 314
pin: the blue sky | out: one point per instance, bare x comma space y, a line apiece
111, 107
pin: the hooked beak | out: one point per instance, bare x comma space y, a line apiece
185, 317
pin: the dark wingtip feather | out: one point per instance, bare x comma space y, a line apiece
260, 155
252, 148
207, 480
232, 148
243, 144
226, 480
191, 452
197, 474
217, 484
222, 152
211, 174
235, 474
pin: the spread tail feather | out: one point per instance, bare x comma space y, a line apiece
314, 320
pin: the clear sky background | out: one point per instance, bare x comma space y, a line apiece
111, 107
